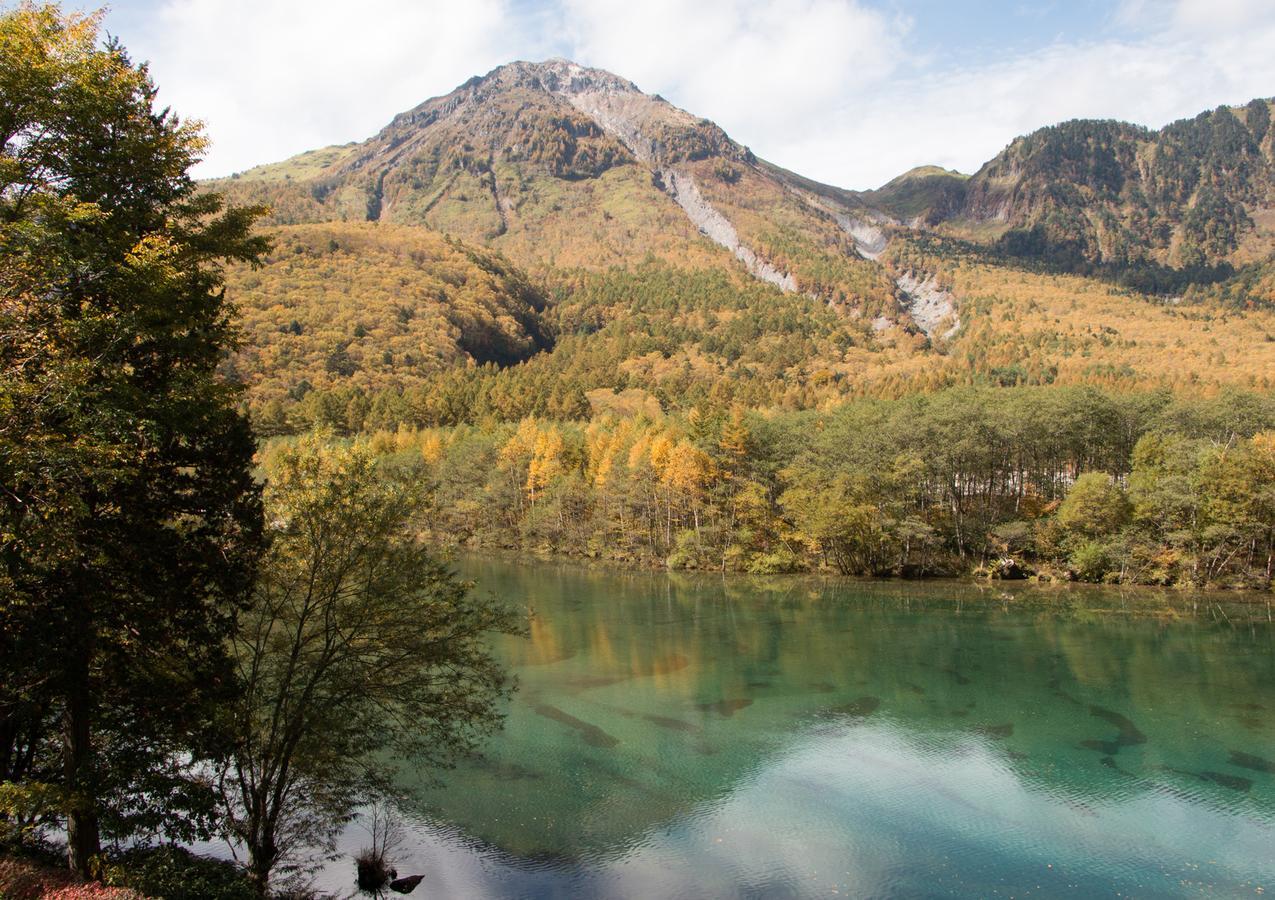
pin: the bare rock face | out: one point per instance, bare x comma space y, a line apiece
869, 239
717, 228
654, 130
932, 308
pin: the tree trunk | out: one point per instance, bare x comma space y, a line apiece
262, 856
83, 841
259, 867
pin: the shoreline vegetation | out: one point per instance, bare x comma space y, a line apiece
1051, 483
981, 587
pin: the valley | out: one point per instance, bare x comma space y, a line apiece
545, 495
597, 326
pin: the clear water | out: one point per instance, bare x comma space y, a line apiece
695, 737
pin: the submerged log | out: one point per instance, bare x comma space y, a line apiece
406, 885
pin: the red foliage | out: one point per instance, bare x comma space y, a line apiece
23, 880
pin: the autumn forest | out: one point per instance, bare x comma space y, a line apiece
248, 423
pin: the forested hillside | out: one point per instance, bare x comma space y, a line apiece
597, 325
1196, 194
373, 308
679, 338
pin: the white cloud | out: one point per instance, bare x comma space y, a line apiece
753, 66
835, 89
1171, 68
271, 78
1220, 16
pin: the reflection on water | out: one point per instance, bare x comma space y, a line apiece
699, 737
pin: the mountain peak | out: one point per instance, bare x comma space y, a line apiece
556, 76
534, 156
519, 102
553, 81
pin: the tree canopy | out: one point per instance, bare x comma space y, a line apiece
359, 651
129, 519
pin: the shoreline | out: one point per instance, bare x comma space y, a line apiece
985, 588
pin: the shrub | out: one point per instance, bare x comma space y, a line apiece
687, 551
372, 871
31, 879
727, 173
780, 561
372, 865
1095, 507
1092, 561
173, 873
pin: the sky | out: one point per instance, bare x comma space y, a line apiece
850, 92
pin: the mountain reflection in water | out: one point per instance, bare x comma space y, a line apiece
791, 738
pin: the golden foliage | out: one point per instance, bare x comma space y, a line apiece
376, 307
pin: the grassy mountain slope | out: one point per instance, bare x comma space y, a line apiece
925, 194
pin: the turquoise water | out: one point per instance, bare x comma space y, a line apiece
695, 737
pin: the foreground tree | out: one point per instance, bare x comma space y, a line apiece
359, 647
128, 519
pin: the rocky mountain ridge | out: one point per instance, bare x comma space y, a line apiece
1195, 194
557, 164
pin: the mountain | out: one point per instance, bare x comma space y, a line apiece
556, 165
921, 196
549, 240
1199, 192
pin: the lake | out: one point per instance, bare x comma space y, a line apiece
700, 737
